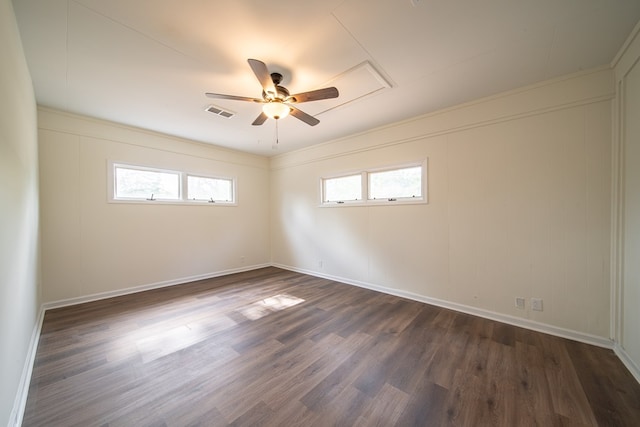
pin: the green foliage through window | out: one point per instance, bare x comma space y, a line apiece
143, 184
400, 184
397, 183
140, 183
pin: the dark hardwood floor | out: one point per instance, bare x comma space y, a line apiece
275, 348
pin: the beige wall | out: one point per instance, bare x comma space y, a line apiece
94, 248
627, 243
519, 205
19, 289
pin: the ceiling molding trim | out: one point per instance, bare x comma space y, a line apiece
598, 80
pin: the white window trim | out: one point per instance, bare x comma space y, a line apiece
111, 186
365, 201
400, 200
185, 188
343, 202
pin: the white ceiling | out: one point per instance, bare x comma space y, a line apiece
148, 63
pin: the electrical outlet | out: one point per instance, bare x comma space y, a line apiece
320, 264
242, 260
536, 304
520, 303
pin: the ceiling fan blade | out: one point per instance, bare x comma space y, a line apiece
232, 97
264, 77
301, 115
260, 119
314, 95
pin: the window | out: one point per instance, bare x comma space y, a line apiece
139, 183
209, 189
396, 183
401, 184
130, 183
342, 189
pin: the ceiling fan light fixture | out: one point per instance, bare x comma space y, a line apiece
276, 109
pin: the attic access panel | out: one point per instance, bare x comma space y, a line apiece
354, 84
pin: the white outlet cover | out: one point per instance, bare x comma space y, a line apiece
536, 304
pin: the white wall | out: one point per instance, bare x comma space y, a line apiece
94, 248
627, 242
19, 290
519, 205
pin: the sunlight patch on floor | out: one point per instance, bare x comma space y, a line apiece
269, 305
154, 342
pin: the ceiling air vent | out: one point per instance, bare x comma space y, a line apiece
219, 111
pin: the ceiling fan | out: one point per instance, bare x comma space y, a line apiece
276, 99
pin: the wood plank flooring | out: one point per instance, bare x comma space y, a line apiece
272, 347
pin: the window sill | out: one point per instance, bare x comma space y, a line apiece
381, 202
171, 202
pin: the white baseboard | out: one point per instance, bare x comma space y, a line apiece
23, 390
20, 402
17, 414
503, 318
157, 285
627, 361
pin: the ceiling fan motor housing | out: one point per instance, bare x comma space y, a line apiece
281, 92
276, 78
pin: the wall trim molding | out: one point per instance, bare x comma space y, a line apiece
310, 154
627, 361
135, 289
20, 403
617, 211
455, 129
19, 406
627, 59
22, 393
625, 46
93, 127
487, 314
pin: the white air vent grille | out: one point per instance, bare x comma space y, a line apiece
220, 111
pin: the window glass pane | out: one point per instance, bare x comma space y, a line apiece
397, 183
343, 189
216, 189
142, 184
